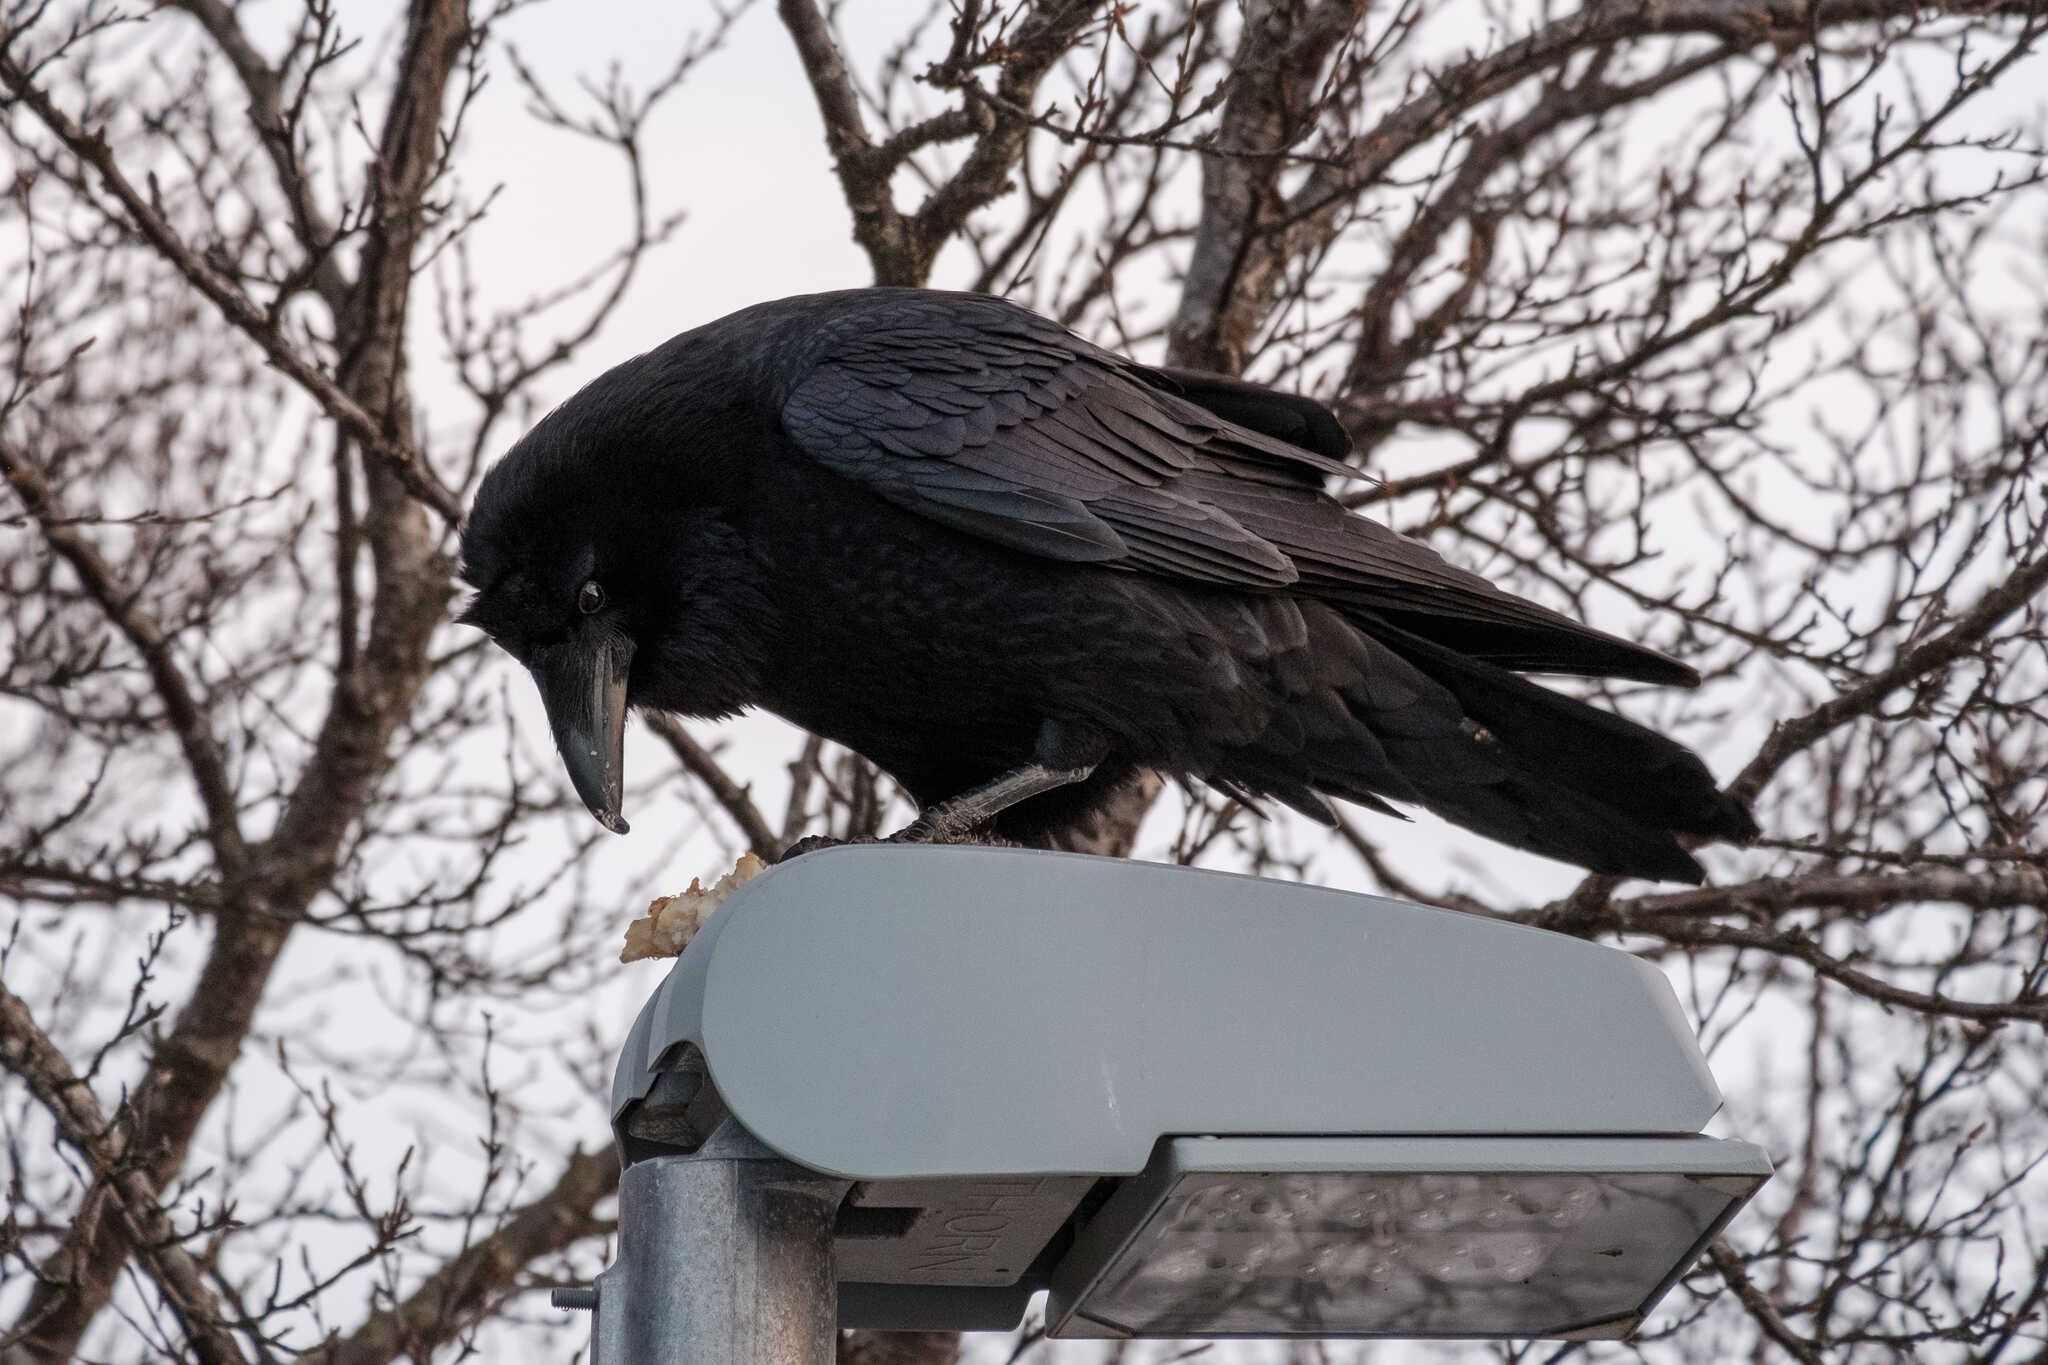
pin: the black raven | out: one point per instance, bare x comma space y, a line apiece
1012, 569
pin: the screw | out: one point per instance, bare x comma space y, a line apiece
574, 1300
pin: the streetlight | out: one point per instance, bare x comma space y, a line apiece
905, 1088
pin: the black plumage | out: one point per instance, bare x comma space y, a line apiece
949, 534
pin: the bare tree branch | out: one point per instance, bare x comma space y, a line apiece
1760, 1307
393, 448
471, 1282
1250, 264
730, 795
1273, 81
137, 1218
1969, 631
121, 603
863, 175
267, 115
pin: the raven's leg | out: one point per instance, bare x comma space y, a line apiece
949, 820
1065, 753
957, 815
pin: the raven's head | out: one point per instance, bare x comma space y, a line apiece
601, 567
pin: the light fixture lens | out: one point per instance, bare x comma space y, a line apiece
1403, 1253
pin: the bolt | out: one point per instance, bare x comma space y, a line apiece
575, 1300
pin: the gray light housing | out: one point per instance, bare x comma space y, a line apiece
992, 1039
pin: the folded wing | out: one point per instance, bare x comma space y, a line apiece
987, 418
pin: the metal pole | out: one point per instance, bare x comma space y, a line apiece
725, 1258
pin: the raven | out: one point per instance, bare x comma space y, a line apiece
1012, 569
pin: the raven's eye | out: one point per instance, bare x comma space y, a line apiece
589, 598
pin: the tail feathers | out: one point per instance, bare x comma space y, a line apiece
1584, 750
1571, 649
1421, 722
1567, 780
1558, 822
1312, 701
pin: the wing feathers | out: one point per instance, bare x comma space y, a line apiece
1000, 423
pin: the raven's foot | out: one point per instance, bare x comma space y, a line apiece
918, 831
811, 843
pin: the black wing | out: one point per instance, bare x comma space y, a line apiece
987, 418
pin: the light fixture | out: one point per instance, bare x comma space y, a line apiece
929, 1083
1404, 1237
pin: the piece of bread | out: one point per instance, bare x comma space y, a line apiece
672, 921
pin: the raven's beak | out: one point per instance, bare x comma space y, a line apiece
583, 686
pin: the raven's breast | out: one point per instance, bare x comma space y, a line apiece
938, 655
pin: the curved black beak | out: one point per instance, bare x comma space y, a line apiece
583, 686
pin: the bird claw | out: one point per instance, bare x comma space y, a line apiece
811, 843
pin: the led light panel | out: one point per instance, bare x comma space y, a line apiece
1399, 1237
